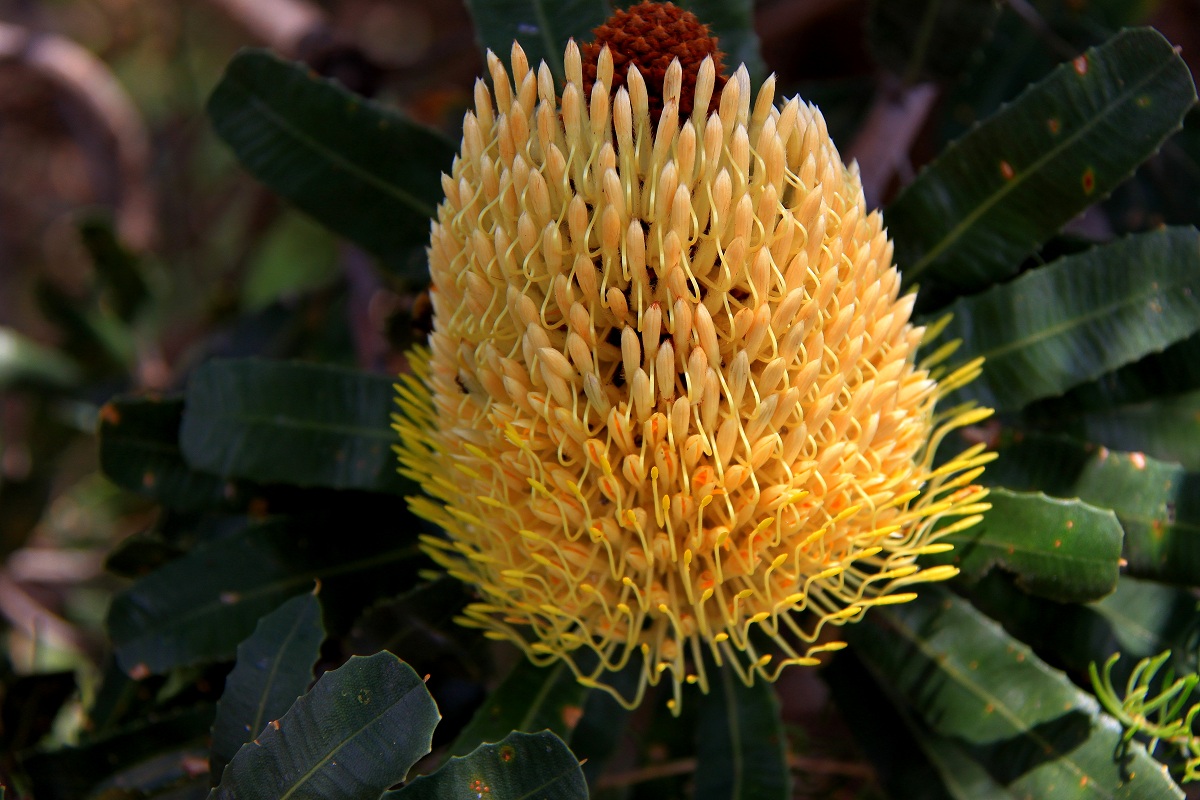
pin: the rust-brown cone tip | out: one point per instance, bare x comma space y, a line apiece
650, 36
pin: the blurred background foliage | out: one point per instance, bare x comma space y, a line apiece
135, 250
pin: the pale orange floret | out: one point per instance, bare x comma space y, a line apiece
671, 396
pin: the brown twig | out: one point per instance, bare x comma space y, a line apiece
86, 80
49, 565
825, 766
797, 763
881, 148
282, 25
34, 620
665, 769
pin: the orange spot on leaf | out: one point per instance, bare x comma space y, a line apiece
1081, 64
110, 414
1088, 181
571, 716
1007, 171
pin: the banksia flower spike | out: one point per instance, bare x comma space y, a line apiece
671, 409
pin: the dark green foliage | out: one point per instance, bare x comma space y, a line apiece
992, 197
26, 363
199, 607
529, 699
139, 451
274, 667
741, 748
1064, 550
120, 276
360, 168
358, 731
525, 766
1079, 317
542, 27
1012, 722
264, 538
305, 424
924, 39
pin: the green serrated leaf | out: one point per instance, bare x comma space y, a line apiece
1079, 317
521, 766
1064, 550
24, 362
139, 451
1030, 728
993, 196
359, 168
294, 423
529, 699
741, 749
274, 667
199, 607
358, 731
542, 27
924, 39
1157, 503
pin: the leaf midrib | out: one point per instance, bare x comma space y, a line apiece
285, 422
1071, 323
284, 584
1005, 547
1018, 180
270, 115
540, 697
272, 675
338, 748
737, 757
1000, 707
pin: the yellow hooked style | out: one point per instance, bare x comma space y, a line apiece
671, 410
